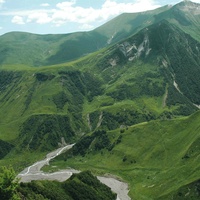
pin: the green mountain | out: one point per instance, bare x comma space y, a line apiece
185, 15
104, 92
40, 50
159, 159
126, 104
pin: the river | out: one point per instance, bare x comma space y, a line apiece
34, 172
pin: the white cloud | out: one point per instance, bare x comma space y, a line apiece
45, 5
17, 20
86, 27
138, 6
68, 11
39, 17
176, 1
65, 5
196, 1
1, 27
1, 3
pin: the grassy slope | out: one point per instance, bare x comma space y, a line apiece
153, 167
93, 87
186, 192
185, 15
22, 98
39, 50
155, 158
128, 24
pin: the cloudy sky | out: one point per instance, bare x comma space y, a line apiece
64, 16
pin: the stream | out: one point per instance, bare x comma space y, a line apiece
34, 172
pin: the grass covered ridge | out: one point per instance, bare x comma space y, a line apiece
137, 91
102, 90
156, 158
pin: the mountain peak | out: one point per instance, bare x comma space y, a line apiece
189, 6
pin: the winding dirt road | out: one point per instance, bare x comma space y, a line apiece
34, 172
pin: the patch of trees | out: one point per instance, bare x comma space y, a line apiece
8, 184
44, 77
29, 96
151, 85
81, 84
82, 146
95, 142
93, 85
82, 186
126, 117
89, 187
74, 91
176, 98
193, 150
166, 115
8, 77
183, 194
60, 100
45, 131
184, 60
5, 148
94, 118
101, 140
8, 82
43, 190
76, 77
76, 87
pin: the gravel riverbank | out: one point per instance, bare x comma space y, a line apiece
34, 172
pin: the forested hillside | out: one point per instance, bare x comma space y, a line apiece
130, 101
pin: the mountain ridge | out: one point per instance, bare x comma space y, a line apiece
54, 49
71, 91
138, 94
154, 167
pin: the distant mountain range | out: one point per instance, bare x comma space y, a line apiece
39, 50
99, 88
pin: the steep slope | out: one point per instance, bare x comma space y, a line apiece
16, 47
123, 105
128, 24
156, 158
189, 191
103, 89
41, 110
32, 101
5, 148
185, 15
160, 63
39, 50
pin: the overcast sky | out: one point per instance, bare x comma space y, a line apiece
62, 16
